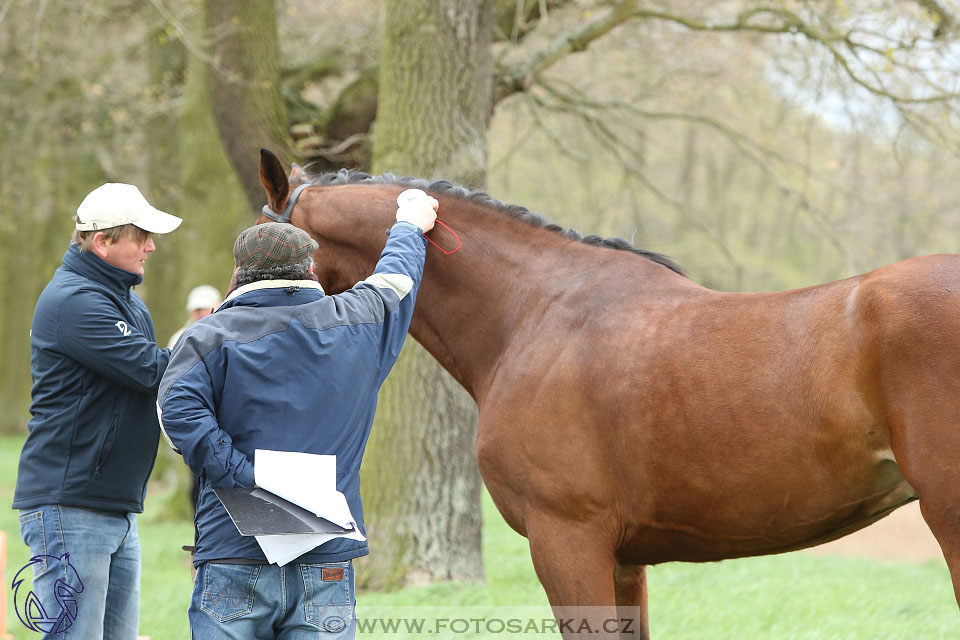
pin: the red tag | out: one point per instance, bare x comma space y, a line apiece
331, 575
442, 250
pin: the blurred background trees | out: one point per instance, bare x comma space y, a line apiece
762, 144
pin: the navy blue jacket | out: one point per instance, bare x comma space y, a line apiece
96, 370
282, 366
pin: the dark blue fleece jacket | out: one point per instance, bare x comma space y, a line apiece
96, 369
282, 366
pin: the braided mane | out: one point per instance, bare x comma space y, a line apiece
445, 187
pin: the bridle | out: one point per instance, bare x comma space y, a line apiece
287, 210
284, 217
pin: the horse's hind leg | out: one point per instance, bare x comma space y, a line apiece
925, 437
910, 334
937, 483
630, 584
576, 568
944, 522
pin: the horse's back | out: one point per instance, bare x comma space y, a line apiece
698, 417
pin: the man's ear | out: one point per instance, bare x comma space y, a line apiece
100, 245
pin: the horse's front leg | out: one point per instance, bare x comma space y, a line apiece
630, 584
575, 565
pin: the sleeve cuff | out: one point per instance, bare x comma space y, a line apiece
245, 476
403, 224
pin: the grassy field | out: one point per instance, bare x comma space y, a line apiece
788, 597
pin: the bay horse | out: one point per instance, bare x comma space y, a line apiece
629, 416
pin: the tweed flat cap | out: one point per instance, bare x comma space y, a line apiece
272, 244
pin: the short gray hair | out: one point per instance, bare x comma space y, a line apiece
295, 271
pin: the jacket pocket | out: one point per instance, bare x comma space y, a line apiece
106, 445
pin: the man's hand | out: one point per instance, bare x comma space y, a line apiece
417, 208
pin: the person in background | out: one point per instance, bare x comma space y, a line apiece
93, 435
201, 302
283, 366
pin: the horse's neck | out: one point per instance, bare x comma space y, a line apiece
467, 304
507, 277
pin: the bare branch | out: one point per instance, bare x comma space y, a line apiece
946, 22
515, 19
756, 153
769, 20
198, 48
41, 9
521, 76
844, 47
581, 102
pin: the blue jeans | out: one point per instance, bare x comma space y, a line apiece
85, 575
267, 602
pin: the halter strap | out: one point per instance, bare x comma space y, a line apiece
292, 202
287, 210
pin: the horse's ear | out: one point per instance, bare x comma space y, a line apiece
273, 178
296, 173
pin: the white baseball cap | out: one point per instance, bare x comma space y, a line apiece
203, 297
115, 204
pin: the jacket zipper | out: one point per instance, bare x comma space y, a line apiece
107, 445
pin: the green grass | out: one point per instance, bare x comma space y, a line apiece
165, 580
794, 596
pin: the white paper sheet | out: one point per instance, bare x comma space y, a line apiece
294, 472
307, 480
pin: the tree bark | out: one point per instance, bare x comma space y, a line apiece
212, 198
47, 167
245, 85
166, 68
421, 484
435, 88
190, 176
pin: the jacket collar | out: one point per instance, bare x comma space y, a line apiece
95, 268
268, 293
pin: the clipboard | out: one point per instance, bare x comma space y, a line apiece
258, 512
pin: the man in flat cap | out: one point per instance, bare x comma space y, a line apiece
282, 366
93, 434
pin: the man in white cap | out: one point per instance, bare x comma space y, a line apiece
201, 302
93, 436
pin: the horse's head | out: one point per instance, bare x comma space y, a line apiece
348, 221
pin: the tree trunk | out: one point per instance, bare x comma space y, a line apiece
190, 176
421, 484
166, 69
245, 85
200, 185
47, 168
435, 86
